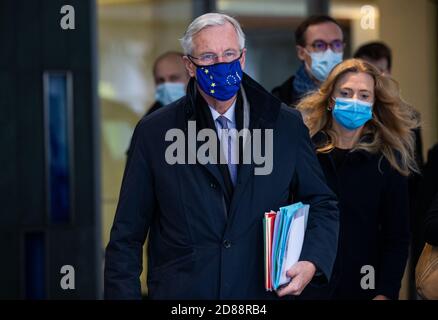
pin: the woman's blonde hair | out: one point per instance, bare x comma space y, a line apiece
390, 128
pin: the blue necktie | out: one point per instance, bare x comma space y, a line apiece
232, 168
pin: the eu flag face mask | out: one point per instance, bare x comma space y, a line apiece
220, 80
352, 113
324, 62
169, 92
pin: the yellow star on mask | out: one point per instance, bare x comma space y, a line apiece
213, 84
211, 91
206, 71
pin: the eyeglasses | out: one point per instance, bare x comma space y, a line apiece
211, 58
321, 46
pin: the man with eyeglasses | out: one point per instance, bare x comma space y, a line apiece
205, 219
320, 46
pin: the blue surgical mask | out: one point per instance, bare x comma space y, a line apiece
324, 62
169, 92
352, 113
221, 80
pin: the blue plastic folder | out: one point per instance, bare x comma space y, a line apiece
286, 238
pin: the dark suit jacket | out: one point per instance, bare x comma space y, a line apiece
286, 92
431, 224
429, 198
156, 106
427, 188
204, 244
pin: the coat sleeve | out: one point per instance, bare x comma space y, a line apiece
123, 258
309, 187
395, 235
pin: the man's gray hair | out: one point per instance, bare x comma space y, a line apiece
209, 20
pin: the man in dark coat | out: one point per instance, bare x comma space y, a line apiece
320, 46
205, 220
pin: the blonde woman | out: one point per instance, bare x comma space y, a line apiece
362, 132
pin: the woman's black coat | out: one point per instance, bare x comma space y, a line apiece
374, 225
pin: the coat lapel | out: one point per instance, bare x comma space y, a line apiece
193, 112
263, 110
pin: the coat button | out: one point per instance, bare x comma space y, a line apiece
227, 244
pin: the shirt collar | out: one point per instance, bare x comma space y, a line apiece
230, 114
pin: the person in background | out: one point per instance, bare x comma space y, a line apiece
376, 53
320, 46
362, 132
380, 55
171, 78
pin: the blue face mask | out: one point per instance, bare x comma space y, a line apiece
169, 92
220, 80
324, 62
352, 113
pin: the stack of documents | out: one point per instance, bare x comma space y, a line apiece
283, 240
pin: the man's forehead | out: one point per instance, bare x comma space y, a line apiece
169, 65
214, 38
381, 63
327, 31
174, 57
171, 60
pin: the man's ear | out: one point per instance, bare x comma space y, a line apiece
301, 53
191, 69
243, 58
